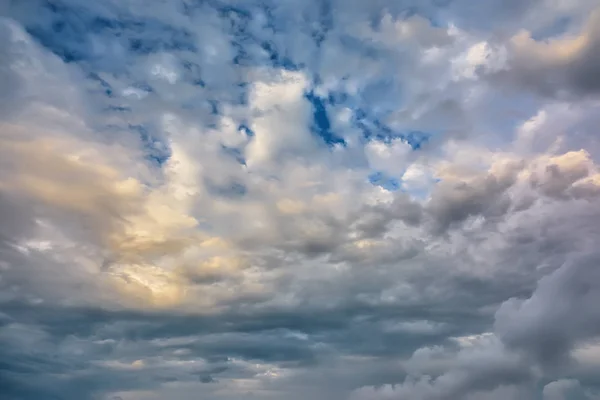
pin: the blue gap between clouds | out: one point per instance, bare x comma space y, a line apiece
321, 126
385, 181
246, 129
237, 153
374, 129
279, 61
105, 86
239, 19
68, 36
371, 126
70, 28
320, 32
556, 28
156, 150
231, 190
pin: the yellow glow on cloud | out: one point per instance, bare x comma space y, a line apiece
289, 206
148, 286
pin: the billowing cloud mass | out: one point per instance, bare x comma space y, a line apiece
318, 199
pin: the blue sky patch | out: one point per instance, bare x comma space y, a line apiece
385, 181
374, 129
321, 125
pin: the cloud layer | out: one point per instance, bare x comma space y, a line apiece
293, 199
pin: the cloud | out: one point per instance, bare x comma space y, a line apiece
323, 199
548, 339
560, 66
562, 388
478, 367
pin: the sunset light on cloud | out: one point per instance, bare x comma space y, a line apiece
300, 199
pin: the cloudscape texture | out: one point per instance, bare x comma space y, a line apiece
300, 199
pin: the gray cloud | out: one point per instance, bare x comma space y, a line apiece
558, 67
550, 323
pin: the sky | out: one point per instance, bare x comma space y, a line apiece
300, 199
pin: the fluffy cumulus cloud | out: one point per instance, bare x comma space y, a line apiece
323, 199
